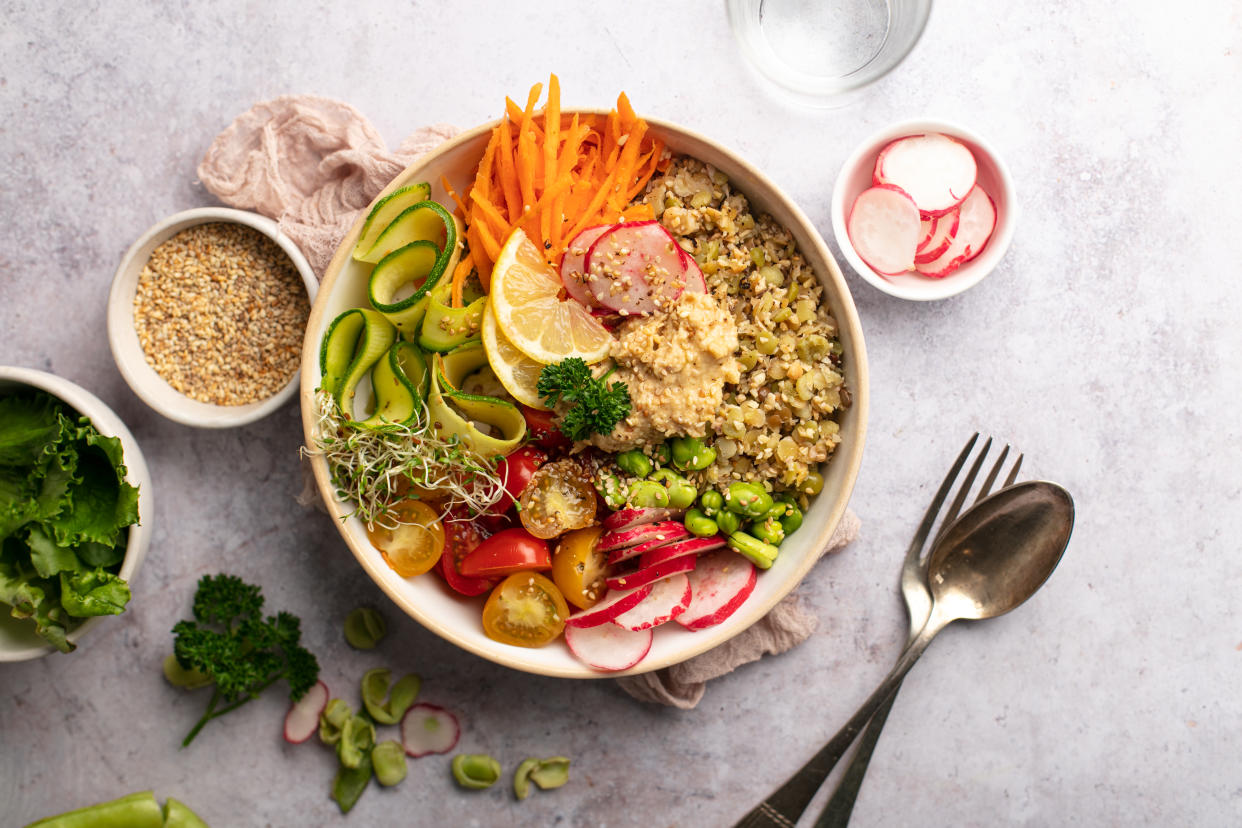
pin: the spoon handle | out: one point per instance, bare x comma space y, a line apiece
841, 804
783, 808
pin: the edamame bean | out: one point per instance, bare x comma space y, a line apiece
689, 453
357, 739
747, 499
388, 759
648, 493
332, 721
399, 699
712, 502
364, 628
634, 462
791, 520
756, 551
475, 771
768, 530
661, 455
681, 492
612, 490
546, 773
699, 524
728, 522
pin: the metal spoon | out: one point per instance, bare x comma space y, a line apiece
989, 561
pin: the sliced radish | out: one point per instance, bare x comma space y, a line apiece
302, 720
629, 518
635, 268
609, 607
946, 228
975, 225
427, 729
661, 538
608, 647
668, 599
936, 171
573, 264
720, 584
624, 538
695, 283
694, 546
884, 227
651, 574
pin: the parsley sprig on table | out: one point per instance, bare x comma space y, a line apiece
596, 406
243, 653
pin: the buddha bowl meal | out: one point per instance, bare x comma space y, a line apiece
586, 392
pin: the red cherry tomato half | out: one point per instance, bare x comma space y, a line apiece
542, 424
461, 538
515, 472
512, 550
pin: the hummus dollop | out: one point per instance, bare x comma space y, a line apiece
675, 363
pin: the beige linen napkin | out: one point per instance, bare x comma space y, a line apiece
314, 164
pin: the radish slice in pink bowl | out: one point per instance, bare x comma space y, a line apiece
935, 170
976, 220
885, 229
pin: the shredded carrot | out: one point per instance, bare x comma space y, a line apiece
459, 281
555, 174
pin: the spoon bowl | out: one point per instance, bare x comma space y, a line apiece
997, 554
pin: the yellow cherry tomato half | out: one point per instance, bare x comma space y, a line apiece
578, 567
525, 609
411, 538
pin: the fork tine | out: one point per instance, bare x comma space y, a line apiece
1013, 473
956, 505
929, 517
986, 488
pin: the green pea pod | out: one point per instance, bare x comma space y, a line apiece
384, 211
424, 221
365, 628
388, 706
138, 810
388, 759
350, 782
332, 721
446, 327
475, 771
399, 382
452, 411
355, 341
357, 739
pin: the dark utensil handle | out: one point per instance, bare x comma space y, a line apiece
837, 812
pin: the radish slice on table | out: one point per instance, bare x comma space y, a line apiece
613, 604
974, 228
884, 226
608, 647
946, 228
629, 518
933, 169
573, 264
693, 546
667, 600
427, 729
720, 584
635, 268
650, 574
302, 720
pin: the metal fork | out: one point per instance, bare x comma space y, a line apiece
783, 808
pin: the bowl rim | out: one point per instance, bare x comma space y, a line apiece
137, 474
849, 457
971, 273
127, 352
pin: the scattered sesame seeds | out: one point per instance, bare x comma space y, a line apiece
220, 312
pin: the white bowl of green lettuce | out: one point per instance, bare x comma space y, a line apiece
75, 513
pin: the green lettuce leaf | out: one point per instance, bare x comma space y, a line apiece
93, 592
100, 502
28, 424
48, 557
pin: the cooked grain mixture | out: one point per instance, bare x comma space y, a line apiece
220, 312
779, 422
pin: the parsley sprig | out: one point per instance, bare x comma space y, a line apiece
596, 406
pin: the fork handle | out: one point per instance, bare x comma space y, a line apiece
783, 808
840, 806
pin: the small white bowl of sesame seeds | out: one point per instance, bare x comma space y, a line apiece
207, 314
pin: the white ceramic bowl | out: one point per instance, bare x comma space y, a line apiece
18, 641
434, 605
150, 387
855, 176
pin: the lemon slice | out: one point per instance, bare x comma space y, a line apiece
517, 372
526, 298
